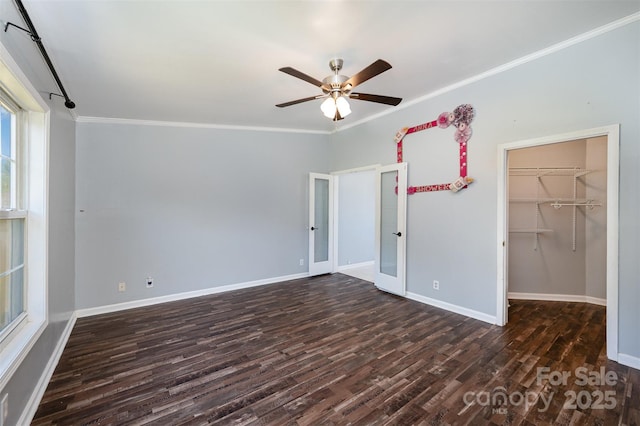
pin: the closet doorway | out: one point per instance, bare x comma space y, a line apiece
557, 222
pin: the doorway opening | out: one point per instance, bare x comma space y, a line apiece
371, 217
557, 222
546, 190
354, 226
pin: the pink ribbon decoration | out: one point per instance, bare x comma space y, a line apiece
461, 118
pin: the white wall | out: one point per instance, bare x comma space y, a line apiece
356, 217
193, 208
452, 237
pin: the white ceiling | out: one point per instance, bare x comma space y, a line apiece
216, 62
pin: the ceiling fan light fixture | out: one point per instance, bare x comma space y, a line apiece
329, 108
343, 106
339, 104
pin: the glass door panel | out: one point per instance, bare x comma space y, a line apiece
320, 224
321, 221
388, 223
391, 203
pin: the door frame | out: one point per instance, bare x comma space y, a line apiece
612, 134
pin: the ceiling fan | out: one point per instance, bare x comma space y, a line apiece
337, 88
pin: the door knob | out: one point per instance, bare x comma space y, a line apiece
313, 228
399, 234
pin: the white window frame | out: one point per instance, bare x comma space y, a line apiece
18, 210
35, 126
17, 196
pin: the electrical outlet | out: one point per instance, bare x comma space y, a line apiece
4, 409
436, 285
149, 282
122, 286
301, 262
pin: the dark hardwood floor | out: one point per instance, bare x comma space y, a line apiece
335, 350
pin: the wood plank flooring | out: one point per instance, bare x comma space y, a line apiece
335, 350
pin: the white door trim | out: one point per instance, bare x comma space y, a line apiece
612, 133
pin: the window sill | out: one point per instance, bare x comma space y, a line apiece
18, 348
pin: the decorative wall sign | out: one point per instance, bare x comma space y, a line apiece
461, 118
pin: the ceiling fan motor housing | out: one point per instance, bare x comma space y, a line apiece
333, 83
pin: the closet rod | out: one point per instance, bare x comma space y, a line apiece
589, 203
36, 38
548, 171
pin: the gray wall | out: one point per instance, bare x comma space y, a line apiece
356, 217
193, 208
61, 250
452, 237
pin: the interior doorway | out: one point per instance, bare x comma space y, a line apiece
354, 226
532, 225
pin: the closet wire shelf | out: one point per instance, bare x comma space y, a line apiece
556, 203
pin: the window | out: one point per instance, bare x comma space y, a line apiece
24, 133
12, 220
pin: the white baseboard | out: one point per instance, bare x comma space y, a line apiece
491, 319
629, 361
558, 298
596, 301
355, 265
36, 396
81, 313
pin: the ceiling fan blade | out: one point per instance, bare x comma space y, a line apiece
378, 67
389, 100
299, 101
301, 76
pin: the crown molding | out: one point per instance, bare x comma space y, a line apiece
136, 122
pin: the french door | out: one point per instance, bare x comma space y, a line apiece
320, 224
391, 228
